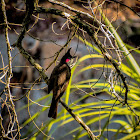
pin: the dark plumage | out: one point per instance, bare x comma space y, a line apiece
58, 82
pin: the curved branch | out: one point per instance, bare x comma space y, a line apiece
30, 6
86, 27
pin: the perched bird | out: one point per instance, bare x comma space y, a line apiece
58, 82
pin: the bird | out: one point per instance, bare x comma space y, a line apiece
58, 82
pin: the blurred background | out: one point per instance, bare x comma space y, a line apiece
48, 33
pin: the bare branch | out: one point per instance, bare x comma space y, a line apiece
9, 49
86, 27
91, 135
30, 6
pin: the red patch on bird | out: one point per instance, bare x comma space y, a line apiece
67, 60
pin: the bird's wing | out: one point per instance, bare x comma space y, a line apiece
62, 80
59, 77
52, 79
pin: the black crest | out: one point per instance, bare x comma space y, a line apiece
66, 56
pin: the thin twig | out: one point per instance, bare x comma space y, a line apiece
30, 6
10, 69
93, 35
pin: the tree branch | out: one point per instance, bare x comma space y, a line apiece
86, 27
9, 49
39, 68
91, 135
30, 6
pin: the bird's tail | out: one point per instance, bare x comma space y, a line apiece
53, 108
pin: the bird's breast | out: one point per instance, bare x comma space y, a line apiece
64, 74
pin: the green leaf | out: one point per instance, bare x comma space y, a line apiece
131, 136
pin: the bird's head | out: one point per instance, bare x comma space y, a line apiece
67, 57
